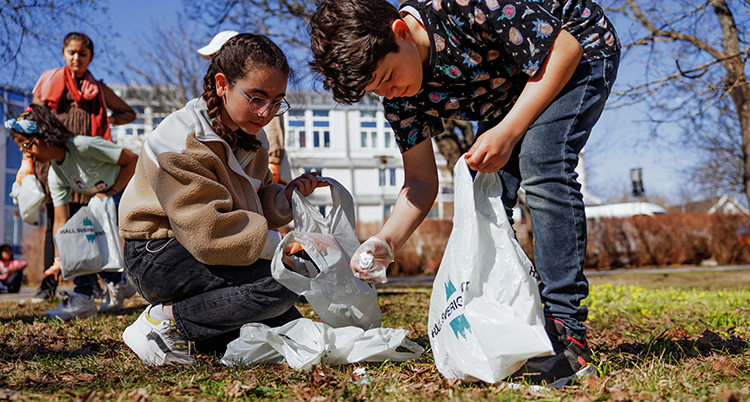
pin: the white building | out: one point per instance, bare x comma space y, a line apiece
355, 145
350, 143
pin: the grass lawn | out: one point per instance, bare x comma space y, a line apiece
679, 337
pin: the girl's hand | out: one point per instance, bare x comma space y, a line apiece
306, 184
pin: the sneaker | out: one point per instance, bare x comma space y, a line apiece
72, 306
43, 295
570, 361
157, 342
116, 295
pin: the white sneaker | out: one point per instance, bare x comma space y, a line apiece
72, 306
157, 342
116, 295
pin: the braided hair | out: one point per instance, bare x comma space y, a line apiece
238, 55
50, 129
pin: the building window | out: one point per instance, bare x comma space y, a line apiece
320, 113
381, 177
316, 139
392, 176
327, 139
374, 139
319, 171
387, 210
296, 123
128, 131
388, 138
363, 144
141, 131
302, 139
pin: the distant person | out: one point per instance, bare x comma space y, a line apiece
11, 270
200, 214
274, 131
80, 102
87, 165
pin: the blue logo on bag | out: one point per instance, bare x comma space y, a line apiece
450, 289
460, 325
90, 237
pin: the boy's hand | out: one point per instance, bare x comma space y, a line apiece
370, 261
306, 184
492, 149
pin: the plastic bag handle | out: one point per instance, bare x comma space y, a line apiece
342, 200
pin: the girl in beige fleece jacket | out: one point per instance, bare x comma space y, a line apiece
199, 215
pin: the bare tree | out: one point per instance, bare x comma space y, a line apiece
168, 64
32, 30
695, 54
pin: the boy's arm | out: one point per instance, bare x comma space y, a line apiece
492, 149
416, 196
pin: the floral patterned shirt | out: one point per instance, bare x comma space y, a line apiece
483, 53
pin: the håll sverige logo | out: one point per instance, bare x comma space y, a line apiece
459, 323
91, 237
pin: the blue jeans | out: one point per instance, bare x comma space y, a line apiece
543, 163
208, 301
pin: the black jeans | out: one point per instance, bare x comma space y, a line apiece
208, 301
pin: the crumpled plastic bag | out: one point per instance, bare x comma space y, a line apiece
303, 343
325, 278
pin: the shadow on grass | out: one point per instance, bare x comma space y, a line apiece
666, 349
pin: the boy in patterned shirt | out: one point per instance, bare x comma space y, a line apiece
535, 75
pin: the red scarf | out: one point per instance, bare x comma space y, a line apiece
51, 85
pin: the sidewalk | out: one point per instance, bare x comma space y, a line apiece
27, 292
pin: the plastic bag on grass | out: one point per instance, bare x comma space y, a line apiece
324, 277
303, 343
486, 315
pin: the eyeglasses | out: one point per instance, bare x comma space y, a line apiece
24, 148
257, 104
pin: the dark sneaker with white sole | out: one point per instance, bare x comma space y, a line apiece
571, 360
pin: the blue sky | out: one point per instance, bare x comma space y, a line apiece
617, 144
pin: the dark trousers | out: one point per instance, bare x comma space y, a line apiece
209, 302
14, 281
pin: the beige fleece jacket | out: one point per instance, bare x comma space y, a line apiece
189, 185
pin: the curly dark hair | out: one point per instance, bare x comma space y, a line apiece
238, 55
349, 38
85, 40
49, 128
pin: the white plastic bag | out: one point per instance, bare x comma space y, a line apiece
326, 281
88, 243
302, 343
486, 315
29, 196
105, 212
